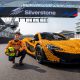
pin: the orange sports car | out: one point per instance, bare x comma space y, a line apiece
53, 47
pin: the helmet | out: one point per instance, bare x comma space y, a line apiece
11, 49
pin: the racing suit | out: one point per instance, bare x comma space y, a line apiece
20, 48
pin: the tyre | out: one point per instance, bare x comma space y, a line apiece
40, 57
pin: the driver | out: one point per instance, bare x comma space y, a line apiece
19, 48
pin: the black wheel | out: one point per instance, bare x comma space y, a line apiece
40, 57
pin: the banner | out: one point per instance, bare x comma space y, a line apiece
37, 12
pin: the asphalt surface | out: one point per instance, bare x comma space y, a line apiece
34, 71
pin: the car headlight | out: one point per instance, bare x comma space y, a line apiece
52, 47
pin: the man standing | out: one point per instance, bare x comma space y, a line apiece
19, 48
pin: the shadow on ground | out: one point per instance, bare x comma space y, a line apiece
28, 66
64, 67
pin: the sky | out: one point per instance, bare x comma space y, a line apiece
54, 25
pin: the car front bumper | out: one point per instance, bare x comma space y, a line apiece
67, 57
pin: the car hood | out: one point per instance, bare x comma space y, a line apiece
68, 46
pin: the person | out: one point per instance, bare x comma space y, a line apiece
19, 48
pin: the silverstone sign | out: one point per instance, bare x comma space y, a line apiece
37, 12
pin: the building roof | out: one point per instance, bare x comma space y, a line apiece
66, 31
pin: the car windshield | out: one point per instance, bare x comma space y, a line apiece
52, 36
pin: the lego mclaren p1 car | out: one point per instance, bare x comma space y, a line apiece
53, 47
